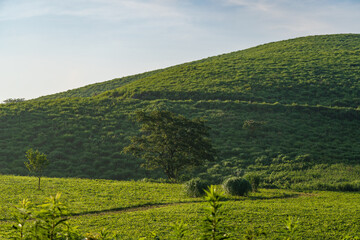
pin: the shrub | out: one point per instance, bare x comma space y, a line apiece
254, 179
236, 186
195, 187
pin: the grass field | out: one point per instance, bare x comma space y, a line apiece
142, 209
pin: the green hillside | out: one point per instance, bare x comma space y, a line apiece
305, 93
97, 88
322, 70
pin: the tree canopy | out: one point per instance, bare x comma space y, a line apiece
171, 142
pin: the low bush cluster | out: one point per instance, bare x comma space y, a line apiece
236, 186
195, 187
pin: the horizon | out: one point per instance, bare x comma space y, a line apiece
49, 48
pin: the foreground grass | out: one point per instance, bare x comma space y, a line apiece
321, 215
84, 195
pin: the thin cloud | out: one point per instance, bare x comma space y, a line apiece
14, 10
300, 17
257, 5
99, 9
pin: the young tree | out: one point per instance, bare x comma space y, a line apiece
36, 163
171, 142
213, 229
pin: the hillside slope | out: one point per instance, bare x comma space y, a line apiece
97, 88
304, 93
322, 70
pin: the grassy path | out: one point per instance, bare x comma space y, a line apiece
133, 208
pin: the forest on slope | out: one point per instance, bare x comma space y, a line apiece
304, 93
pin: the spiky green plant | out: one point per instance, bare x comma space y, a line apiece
212, 228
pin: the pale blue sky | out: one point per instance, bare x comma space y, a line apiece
49, 46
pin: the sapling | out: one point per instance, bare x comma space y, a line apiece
36, 163
212, 228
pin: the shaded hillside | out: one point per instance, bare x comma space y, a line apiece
84, 137
291, 89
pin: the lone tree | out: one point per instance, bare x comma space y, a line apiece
170, 142
36, 163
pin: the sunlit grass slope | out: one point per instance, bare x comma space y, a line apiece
311, 70
97, 88
321, 70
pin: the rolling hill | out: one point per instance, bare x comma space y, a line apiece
304, 92
313, 70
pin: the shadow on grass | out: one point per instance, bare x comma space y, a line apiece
142, 207
147, 206
262, 197
284, 195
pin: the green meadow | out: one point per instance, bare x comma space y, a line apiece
136, 209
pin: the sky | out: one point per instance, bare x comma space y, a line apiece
50, 46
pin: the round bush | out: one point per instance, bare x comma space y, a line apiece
236, 186
254, 179
195, 187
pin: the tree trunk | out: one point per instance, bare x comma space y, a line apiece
39, 184
170, 173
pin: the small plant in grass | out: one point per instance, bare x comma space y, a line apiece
195, 187
252, 233
179, 230
254, 179
350, 237
291, 224
22, 214
103, 235
212, 228
236, 186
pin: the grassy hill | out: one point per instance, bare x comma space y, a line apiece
312, 70
97, 88
305, 92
